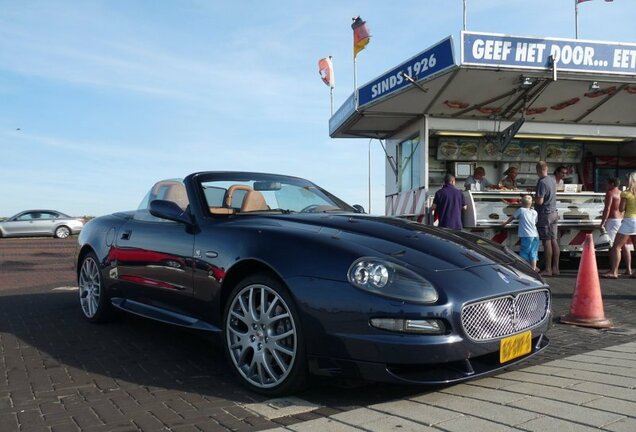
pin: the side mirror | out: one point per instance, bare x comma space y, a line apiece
358, 208
169, 210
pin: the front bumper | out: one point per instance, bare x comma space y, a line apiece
423, 373
341, 343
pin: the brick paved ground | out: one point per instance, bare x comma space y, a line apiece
59, 373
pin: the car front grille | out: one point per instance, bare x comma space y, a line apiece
503, 316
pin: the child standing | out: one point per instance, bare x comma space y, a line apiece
528, 234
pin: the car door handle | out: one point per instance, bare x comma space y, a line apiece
126, 235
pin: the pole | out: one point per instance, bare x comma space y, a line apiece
464, 15
370, 176
331, 95
355, 80
576, 19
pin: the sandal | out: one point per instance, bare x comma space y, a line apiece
609, 276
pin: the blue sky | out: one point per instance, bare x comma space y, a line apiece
110, 96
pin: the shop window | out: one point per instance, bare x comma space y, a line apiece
409, 156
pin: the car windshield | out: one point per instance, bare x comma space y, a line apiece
245, 193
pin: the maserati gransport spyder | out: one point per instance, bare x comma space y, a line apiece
297, 282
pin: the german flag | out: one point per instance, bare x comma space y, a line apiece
360, 35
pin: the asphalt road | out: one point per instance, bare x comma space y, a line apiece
61, 373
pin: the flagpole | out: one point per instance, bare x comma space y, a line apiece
464, 15
355, 79
576, 19
331, 95
369, 176
331, 91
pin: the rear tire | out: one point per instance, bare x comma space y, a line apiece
263, 338
94, 302
62, 232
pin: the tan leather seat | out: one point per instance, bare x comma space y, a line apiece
176, 192
253, 201
229, 195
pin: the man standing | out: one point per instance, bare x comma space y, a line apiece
449, 203
548, 218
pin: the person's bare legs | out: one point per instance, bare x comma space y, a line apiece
615, 255
556, 255
547, 251
627, 257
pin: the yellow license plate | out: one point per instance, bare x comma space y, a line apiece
515, 346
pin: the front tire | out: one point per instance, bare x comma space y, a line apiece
62, 232
94, 302
263, 337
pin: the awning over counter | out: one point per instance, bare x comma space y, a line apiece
595, 85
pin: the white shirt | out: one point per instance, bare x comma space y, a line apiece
479, 184
527, 218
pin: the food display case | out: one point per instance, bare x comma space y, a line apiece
579, 214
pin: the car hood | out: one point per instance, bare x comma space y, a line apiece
406, 241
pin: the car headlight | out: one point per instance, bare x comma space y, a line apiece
391, 280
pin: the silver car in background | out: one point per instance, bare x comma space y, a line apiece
40, 223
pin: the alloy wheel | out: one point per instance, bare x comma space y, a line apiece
89, 287
62, 232
261, 335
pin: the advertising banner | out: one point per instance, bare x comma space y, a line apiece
501, 51
424, 65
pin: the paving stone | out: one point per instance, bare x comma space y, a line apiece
323, 425
594, 367
537, 378
582, 375
606, 390
567, 411
543, 424
609, 361
281, 407
66, 427
479, 409
484, 393
623, 425
564, 395
473, 424
418, 412
614, 405
373, 420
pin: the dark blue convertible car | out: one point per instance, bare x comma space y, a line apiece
297, 282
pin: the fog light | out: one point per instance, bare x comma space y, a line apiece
430, 326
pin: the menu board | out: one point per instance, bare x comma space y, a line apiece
557, 151
469, 149
513, 151
447, 149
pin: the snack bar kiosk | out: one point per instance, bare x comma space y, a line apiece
509, 101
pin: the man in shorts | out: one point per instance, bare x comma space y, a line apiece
547, 219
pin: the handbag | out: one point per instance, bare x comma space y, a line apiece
603, 241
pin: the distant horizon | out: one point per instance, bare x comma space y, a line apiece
101, 99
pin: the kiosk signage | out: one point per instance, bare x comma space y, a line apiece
535, 53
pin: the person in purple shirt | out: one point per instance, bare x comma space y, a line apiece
449, 204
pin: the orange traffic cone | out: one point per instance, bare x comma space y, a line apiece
587, 304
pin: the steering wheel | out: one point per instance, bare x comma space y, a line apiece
310, 208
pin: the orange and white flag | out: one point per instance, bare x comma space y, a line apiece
361, 35
325, 69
